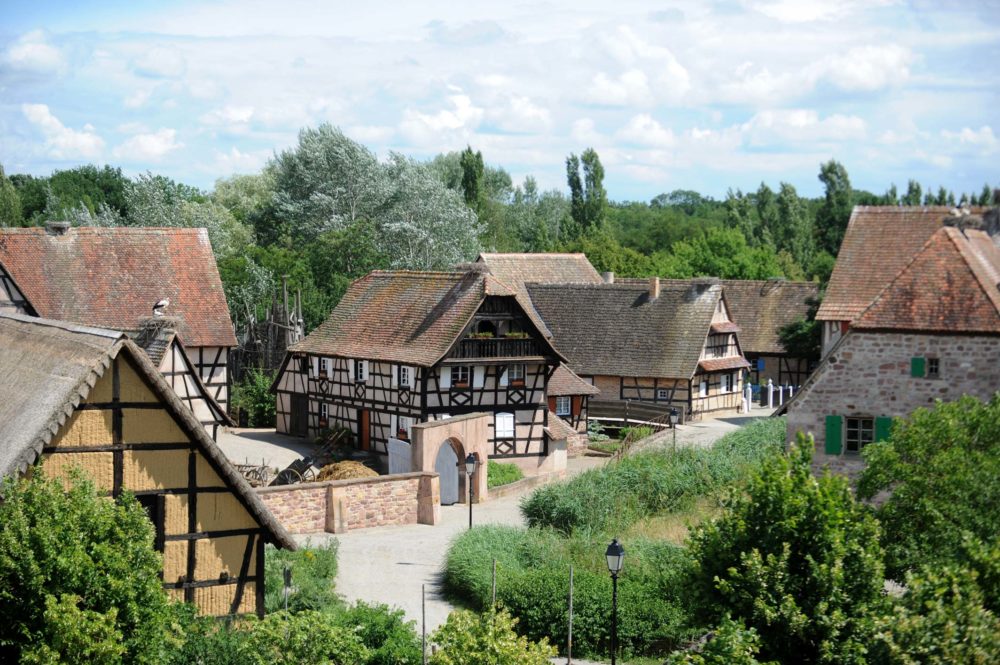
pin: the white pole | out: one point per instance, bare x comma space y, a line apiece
770, 394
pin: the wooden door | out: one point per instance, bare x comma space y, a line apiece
364, 429
300, 415
446, 467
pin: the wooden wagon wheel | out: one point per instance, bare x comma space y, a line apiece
288, 477
308, 474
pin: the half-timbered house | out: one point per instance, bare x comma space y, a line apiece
673, 345
112, 278
88, 398
762, 308
408, 347
932, 334
569, 396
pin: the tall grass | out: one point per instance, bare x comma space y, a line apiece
502, 473
610, 499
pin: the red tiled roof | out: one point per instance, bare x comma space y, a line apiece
542, 268
878, 243
725, 327
112, 277
407, 317
558, 429
565, 382
951, 285
718, 364
763, 307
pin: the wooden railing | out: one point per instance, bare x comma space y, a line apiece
497, 348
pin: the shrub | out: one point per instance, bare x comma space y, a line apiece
795, 558
314, 570
611, 498
253, 395
79, 578
942, 466
470, 639
502, 473
390, 639
731, 643
307, 637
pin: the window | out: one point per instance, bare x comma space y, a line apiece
154, 506
662, 393
760, 364
727, 383
564, 405
504, 426
460, 376
860, 432
304, 364
703, 389
324, 410
933, 368
360, 371
404, 376
403, 428
324, 366
515, 374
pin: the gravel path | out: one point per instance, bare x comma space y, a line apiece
699, 434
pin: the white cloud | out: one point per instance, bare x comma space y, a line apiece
369, 133
868, 68
160, 62
801, 126
651, 73
151, 146
642, 129
631, 88
229, 115
520, 114
237, 161
461, 119
584, 131
32, 53
805, 11
63, 142
137, 99
983, 138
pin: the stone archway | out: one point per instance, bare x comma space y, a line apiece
448, 463
463, 434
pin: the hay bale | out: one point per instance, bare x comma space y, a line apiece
345, 471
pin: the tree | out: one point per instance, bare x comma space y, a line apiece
722, 253
913, 193
33, 193
739, 214
595, 205
576, 200
803, 338
794, 230
473, 174
942, 466
10, 202
78, 575
796, 559
767, 229
470, 639
835, 210
730, 644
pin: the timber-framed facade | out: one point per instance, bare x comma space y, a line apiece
127, 430
461, 343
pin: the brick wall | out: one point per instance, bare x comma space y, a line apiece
869, 376
337, 506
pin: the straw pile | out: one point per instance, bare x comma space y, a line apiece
345, 471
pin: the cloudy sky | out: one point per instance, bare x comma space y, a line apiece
702, 95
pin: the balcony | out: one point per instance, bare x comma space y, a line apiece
497, 348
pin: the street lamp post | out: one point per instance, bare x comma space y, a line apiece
616, 557
470, 468
674, 417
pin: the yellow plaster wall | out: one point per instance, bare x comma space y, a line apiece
99, 466
132, 387
150, 426
175, 520
154, 469
85, 428
101, 392
217, 555
206, 475
222, 511
175, 554
219, 599
176, 594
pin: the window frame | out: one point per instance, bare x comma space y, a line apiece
512, 370
726, 384
933, 370
564, 400
703, 388
360, 370
456, 376
504, 415
324, 410
403, 376
861, 426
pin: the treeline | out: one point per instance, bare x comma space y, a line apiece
328, 210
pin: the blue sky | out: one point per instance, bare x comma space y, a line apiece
700, 95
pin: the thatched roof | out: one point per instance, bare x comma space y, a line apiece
47, 368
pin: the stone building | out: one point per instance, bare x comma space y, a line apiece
932, 334
404, 348
79, 397
113, 277
878, 243
663, 343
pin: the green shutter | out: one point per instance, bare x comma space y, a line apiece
917, 367
883, 426
834, 435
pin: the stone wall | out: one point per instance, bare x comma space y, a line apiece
868, 375
337, 506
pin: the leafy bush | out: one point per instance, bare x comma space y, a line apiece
795, 558
253, 396
730, 644
533, 583
942, 465
314, 570
79, 578
390, 639
636, 432
611, 498
502, 473
307, 637
467, 638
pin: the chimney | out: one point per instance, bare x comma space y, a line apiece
57, 228
654, 288
608, 277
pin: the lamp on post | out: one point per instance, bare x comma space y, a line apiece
616, 557
470, 469
674, 417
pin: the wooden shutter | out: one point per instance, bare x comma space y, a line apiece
552, 404
504, 377
445, 380
329, 368
918, 367
315, 366
883, 427
575, 410
834, 435
478, 376
350, 370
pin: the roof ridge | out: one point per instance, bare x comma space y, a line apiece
974, 260
68, 326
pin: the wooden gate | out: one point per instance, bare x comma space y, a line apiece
446, 467
300, 415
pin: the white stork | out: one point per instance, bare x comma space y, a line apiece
160, 305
